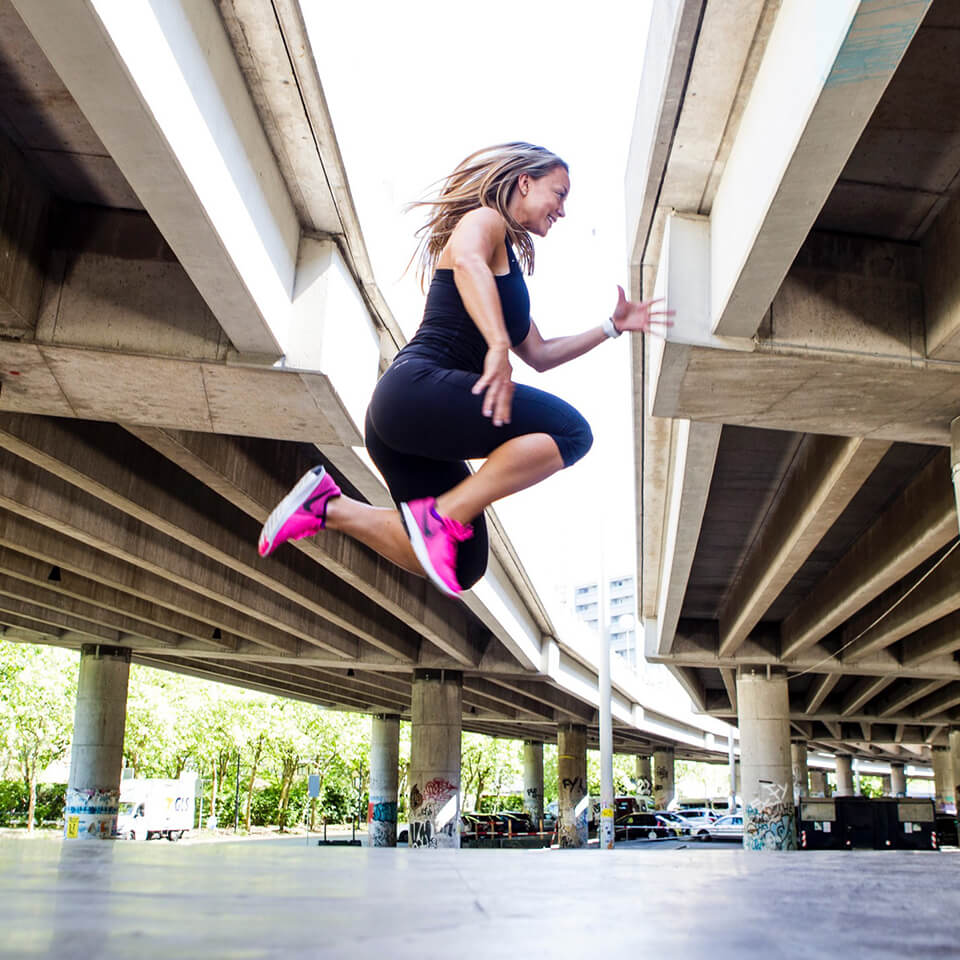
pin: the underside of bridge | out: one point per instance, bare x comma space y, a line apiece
800, 212
151, 413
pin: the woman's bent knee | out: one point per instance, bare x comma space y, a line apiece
576, 441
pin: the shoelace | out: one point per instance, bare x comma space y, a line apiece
458, 531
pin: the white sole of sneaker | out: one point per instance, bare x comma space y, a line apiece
420, 549
288, 506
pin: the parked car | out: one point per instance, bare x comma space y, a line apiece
697, 817
514, 822
648, 826
680, 821
725, 828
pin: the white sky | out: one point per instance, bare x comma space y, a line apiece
413, 88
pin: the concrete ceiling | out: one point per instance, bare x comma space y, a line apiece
815, 530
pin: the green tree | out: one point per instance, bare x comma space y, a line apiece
38, 688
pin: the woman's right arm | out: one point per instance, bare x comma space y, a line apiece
472, 248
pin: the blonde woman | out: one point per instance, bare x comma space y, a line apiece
449, 394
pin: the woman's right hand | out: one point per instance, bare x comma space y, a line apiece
497, 380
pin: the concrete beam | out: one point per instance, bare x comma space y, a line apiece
919, 522
935, 640
825, 475
819, 691
941, 287
22, 594
232, 470
898, 700
76, 457
24, 212
938, 702
48, 501
179, 122
106, 583
694, 451
863, 692
825, 66
671, 41
925, 600
696, 647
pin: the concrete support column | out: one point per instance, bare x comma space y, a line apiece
886, 784
942, 776
573, 806
384, 775
436, 708
96, 754
898, 780
769, 821
955, 764
798, 762
844, 776
663, 777
818, 783
644, 777
533, 780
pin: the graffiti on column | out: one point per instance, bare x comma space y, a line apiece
91, 813
533, 798
644, 787
572, 812
770, 820
433, 822
382, 823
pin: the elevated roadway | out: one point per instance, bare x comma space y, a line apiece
791, 191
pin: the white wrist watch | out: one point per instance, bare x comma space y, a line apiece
609, 329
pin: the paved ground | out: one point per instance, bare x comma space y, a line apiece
283, 898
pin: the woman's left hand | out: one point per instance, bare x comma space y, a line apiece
639, 317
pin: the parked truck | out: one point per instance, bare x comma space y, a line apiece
156, 808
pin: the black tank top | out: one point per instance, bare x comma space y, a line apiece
447, 334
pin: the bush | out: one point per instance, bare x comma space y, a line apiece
15, 803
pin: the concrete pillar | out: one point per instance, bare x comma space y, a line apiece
844, 776
663, 782
942, 776
384, 775
955, 764
573, 802
769, 821
886, 784
644, 777
533, 780
898, 780
818, 783
798, 763
96, 754
436, 708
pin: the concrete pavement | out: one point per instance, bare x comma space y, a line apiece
117, 900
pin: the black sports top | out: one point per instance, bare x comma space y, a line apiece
447, 334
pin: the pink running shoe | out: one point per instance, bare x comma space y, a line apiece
301, 513
434, 540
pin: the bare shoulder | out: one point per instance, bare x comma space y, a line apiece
480, 231
485, 218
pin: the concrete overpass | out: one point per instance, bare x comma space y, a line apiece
791, 192
188, 320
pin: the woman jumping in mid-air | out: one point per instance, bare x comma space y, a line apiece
449, 396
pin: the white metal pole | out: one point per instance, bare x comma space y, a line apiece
732, 760
606, 722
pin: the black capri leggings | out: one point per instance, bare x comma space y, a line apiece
423, 423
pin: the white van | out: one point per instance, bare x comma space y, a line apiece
156, 808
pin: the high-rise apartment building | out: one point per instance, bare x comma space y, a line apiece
621, 613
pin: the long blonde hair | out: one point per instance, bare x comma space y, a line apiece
485, 179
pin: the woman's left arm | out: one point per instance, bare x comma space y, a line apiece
545, 354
